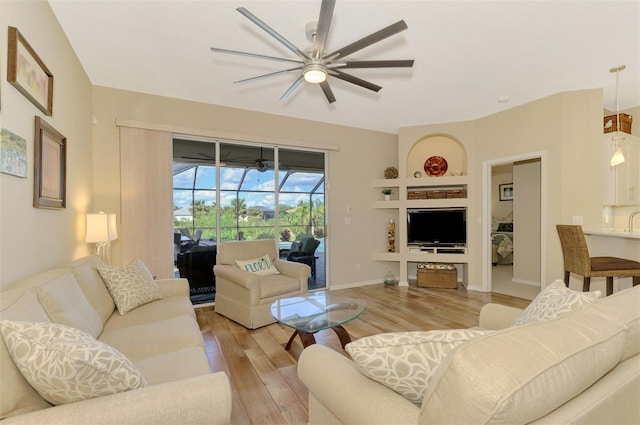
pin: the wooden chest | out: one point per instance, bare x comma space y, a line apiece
437, 278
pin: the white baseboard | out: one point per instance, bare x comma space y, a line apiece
526, 282
354, 284
475, 288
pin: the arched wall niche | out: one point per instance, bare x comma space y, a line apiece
442, 145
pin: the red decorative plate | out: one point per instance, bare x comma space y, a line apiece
435, 166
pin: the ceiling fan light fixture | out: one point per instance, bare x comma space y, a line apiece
315, 73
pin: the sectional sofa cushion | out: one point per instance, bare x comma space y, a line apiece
65, 303
154, 339
553, 301
406, 361
166, 308
18, 304
623, 307
86, 273
130, 286
185, 363
65, 364
485, 381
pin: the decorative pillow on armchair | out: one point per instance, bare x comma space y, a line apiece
65, 364
130, 286
406, 361
553, 301
262, 265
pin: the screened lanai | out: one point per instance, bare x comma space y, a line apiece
225, 190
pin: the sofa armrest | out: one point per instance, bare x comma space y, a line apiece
173, 287
339, 387
237, 276
497, 316
203, 399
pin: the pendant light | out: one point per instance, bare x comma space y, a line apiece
618, 157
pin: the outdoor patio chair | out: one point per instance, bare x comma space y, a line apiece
305, 254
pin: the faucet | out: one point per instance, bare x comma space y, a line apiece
633, 214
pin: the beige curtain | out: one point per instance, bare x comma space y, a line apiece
146, 161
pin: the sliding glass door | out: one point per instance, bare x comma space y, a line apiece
227, 191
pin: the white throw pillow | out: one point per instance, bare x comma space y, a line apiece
65, 364
130, 286
262, 266
406, 361
553, 301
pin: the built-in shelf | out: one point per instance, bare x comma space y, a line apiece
386, 183
457, 250
447, 191
387, 256
440, 192
436, 181
387, 204
436, 203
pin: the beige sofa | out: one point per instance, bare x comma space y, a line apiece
161, 338
246, 297
582, 367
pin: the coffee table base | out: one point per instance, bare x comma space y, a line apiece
308, 338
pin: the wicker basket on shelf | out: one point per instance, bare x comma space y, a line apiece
416, 194
436, 194
611, 123
457, 193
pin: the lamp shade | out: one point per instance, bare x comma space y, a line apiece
101, 227
617, 158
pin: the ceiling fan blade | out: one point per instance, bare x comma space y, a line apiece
271, 74
368, 40
273, 33
253, 55
380, 64
355, 80
322, 30
292, 88
327, 91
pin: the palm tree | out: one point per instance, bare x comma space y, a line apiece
239, 206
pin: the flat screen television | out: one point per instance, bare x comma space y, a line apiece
437, 226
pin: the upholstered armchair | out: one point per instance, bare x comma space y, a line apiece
246, 297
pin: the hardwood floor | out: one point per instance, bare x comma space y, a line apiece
265, 386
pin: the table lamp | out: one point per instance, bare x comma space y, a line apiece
101, 230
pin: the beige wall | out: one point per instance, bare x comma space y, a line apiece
567, 127
362, 156
34, 239
501, 210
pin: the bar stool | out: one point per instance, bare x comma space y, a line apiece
577, 260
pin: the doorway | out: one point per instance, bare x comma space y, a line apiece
514, 200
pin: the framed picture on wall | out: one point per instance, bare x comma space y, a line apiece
506, 192
27, 73
50, 167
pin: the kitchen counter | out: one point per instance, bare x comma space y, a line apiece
614, 233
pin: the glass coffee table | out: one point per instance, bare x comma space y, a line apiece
315, 312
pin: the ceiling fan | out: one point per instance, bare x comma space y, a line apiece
314, 64
263, 164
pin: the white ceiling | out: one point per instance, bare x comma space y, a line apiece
468, 54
